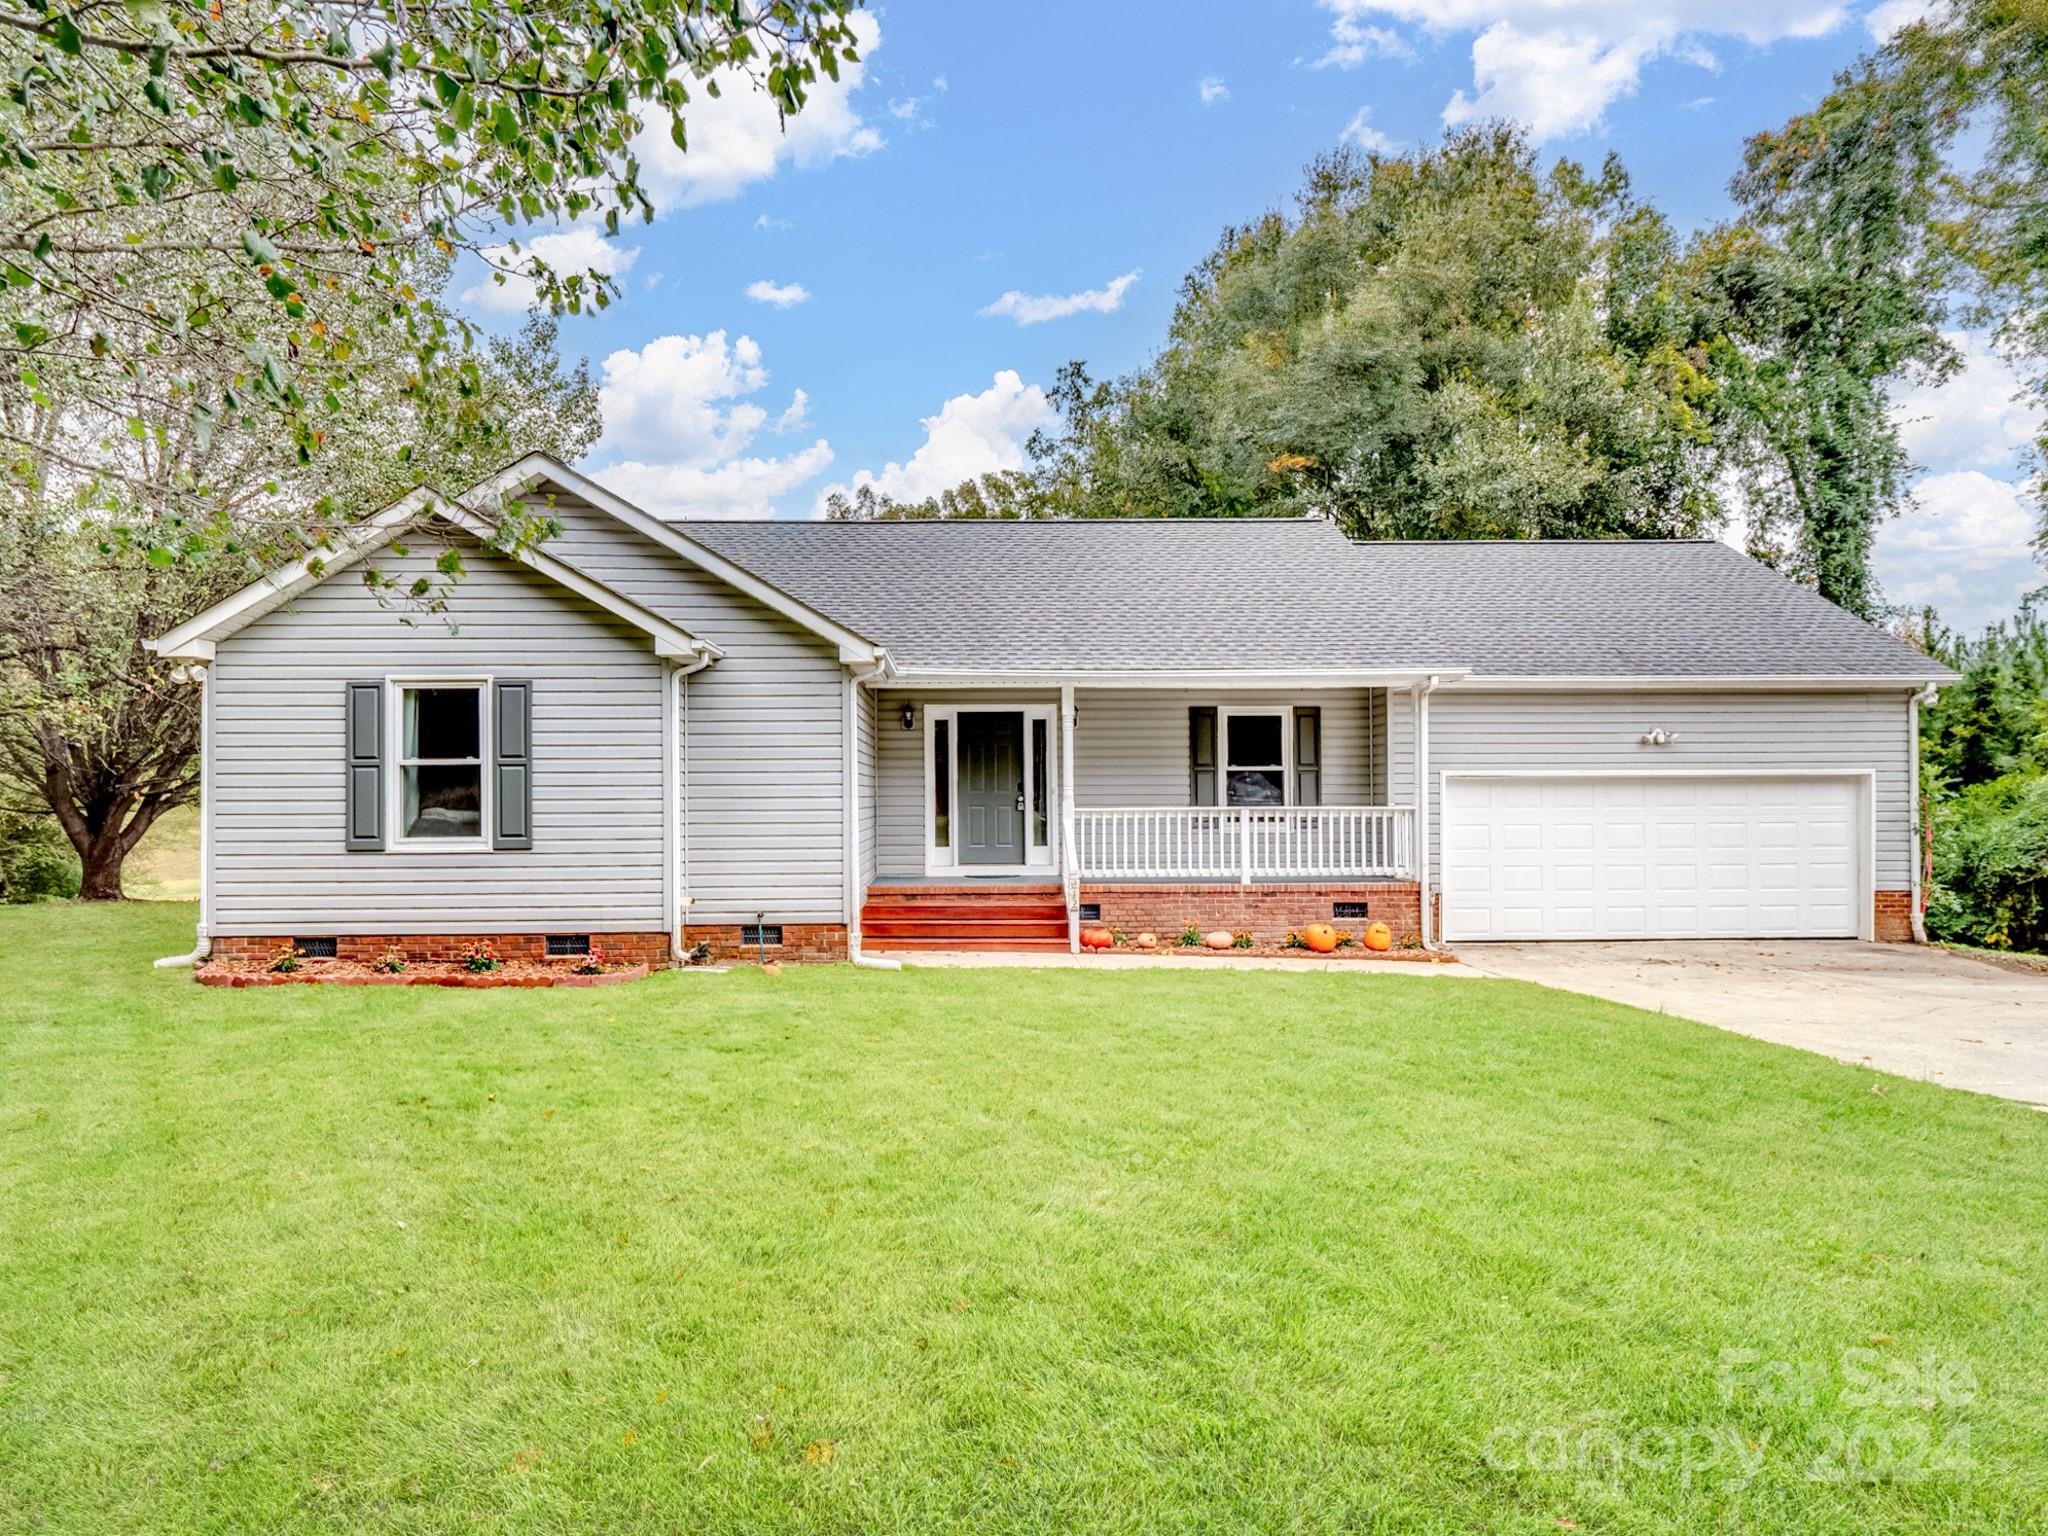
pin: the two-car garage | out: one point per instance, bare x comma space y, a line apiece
1655, 855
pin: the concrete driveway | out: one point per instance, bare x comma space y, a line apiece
1906, 1008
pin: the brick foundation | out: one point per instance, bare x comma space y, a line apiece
650, 949
802, 943
1267, 912
1892, 917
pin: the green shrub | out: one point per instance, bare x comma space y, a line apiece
36, 861
1991, 865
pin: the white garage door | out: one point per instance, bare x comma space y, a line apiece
1657, 857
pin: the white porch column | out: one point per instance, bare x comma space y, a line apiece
1070, 857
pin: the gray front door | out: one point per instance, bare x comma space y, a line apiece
991, 787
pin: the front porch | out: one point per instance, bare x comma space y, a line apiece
1146, 808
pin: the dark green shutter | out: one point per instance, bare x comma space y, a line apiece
512, 764
1308, 756
363, 770
1202, 755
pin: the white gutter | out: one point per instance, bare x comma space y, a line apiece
855, 680
202, 940
1925, 696
677, 813
1422, 692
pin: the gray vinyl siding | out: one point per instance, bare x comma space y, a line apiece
1130, 749
1534, 731
766, 761
276, 785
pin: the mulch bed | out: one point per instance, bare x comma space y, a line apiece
347, 973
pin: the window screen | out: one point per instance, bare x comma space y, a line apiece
1255, 759
440, 764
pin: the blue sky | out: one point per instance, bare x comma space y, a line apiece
827, 305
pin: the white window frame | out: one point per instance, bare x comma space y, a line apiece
1225, 713
945, 861
395, 687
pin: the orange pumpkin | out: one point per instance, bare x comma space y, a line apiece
1379, 937
1097, 938
1320, 937
1147, 941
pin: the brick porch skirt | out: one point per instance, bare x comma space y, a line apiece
626, 948
1266, 911
802, 943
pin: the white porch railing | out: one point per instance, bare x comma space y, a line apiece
1244, 842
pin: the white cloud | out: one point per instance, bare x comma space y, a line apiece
971, 435
1979, 419
737, 138
1361, 132
781, 295
679, 424
903, 109
1965, 547
1352, 42
939, 84
796, 415
1036, 308
1557, 65
746, 487
570, 251
1891, 16
1212, 90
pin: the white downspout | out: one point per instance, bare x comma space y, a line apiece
1070, 856
202, 941
678, 807
1914, 705
1422, 693
854, 683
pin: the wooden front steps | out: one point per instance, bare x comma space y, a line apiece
906, 918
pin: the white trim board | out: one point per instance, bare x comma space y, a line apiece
1864, 778
197, 638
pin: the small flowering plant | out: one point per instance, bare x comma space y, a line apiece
480, 957
389, 963
1191, 935
1241, 940
285, 958
591, 963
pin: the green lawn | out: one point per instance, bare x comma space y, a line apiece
999, 1251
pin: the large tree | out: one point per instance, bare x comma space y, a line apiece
234, 209
94, 730
1454, 343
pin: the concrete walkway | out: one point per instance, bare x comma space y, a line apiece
1910, 1009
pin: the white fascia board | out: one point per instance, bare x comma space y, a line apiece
854, 649
1305, 677
195, 639
1666, 683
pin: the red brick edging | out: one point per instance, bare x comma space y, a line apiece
221, 976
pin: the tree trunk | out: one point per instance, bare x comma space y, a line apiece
101, 863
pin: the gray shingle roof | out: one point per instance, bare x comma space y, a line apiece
1266, 595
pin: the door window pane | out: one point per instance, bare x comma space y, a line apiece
441, 771
1040, 831
942, 783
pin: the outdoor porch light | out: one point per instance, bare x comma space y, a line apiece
910, 717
